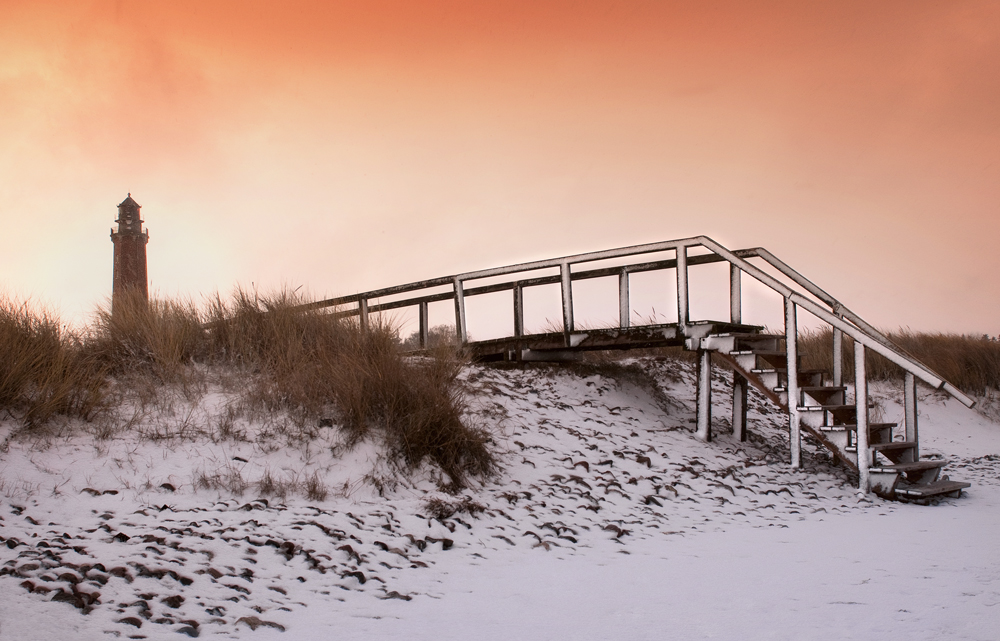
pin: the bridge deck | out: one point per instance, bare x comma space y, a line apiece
557, 346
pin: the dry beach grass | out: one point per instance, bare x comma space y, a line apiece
309, 365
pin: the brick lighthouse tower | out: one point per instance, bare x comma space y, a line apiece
130, 254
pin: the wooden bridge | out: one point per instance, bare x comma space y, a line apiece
819, 407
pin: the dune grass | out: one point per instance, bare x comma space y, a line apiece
311, 365
44, 369
971, 363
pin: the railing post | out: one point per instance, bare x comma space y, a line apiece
623, 301
424, 328
363, 314
861, 399
838, 357
518, 310
792, 385
682, 288
704, 394
739, 383
460, 328
567, 300
735, 295
910, 412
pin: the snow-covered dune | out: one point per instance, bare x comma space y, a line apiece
609, 520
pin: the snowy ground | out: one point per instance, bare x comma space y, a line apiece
610, 520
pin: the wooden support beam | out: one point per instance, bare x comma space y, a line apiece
861, 399
792, 386
910, 413
704, 395
739, 407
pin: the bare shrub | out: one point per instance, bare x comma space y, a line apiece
315, 488
227, 478
442, 509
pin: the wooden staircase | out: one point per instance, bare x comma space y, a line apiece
894, 467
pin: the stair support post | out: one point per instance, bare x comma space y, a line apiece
838, 357
910, 412
460, 328
704, 395
363, 314
424, 324
792, 384
567, 301
739, 407
682, 289
623, 299
861, 402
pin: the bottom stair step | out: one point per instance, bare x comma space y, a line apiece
932, 489
908, 467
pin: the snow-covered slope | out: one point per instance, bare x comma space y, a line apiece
609, 520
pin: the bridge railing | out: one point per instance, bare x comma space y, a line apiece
800, 292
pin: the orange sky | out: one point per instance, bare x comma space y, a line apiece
348, 146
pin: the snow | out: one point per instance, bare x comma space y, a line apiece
610, 520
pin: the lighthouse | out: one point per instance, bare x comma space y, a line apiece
130, 254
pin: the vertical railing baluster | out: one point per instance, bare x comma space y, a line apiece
567, 301
424, 324
838, 357
861, 399
460, 328
910, 414
682, 288
518, 310
792, 386
624, 313
735, 295
363, 314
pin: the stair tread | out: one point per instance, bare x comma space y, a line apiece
895, 445
932, 489
853, 427
910, 467
825, 408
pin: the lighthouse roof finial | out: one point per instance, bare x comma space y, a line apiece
129, 202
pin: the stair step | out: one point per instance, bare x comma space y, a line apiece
895, 445
825, 408
886, 447
908, 467
853, 428
937, 488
